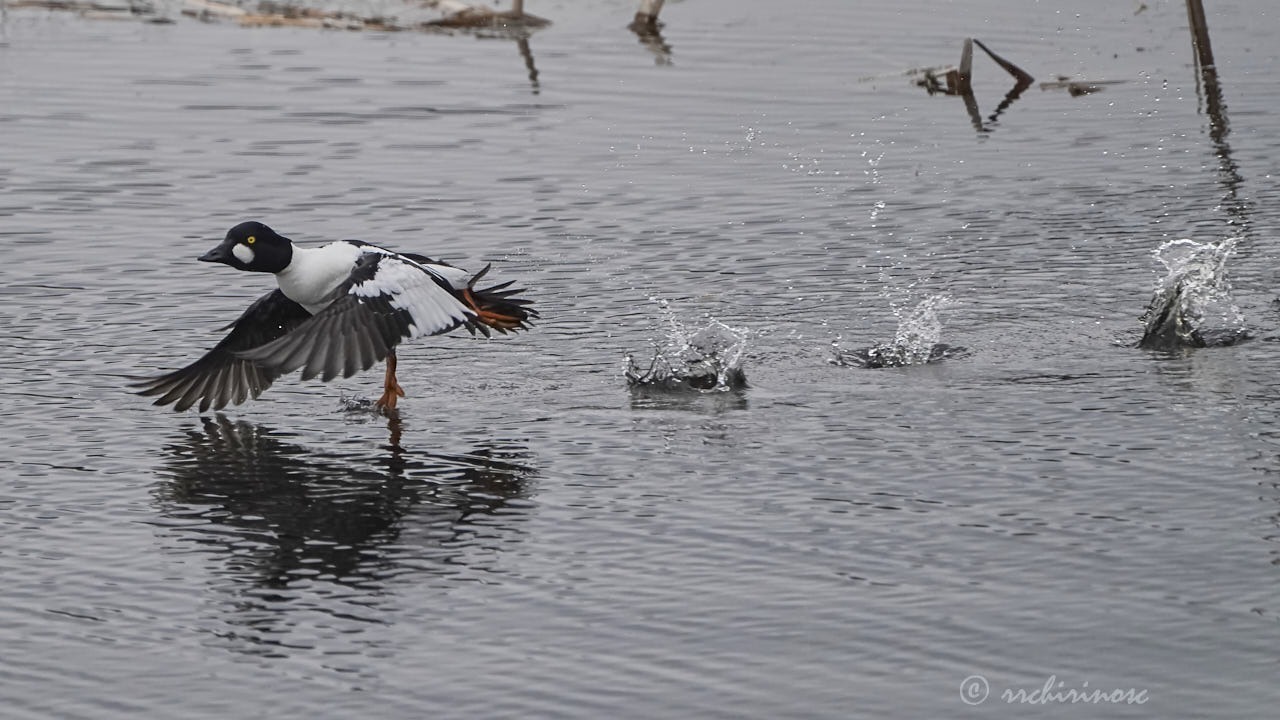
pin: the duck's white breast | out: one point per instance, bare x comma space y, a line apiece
313, 273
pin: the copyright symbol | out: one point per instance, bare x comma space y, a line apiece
974, 690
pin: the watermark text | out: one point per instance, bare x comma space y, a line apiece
975, 690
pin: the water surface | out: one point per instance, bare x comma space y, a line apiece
530, 538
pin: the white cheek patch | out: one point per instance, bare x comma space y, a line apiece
243, 253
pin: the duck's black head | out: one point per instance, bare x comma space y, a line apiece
254, 247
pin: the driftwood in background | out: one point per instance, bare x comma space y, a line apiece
1076, 88
1199, 33
1014, 70
647, 16
456, 15
959, 81
465, 16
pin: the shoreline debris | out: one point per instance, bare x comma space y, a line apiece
464, 16
959, 82
646, 19
1076, 88
294, 13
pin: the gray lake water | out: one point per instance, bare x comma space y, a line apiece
531, 538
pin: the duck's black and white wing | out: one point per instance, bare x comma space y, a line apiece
387, 299
222, 376
498, 307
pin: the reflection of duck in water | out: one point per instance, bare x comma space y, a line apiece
283, 512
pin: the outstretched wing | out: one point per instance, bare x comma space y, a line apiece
384, 302
222, 377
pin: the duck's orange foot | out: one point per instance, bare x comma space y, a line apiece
494, 319
390, 395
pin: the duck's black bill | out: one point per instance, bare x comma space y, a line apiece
220, 254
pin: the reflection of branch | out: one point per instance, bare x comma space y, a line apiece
651, 37
1219, 126
975, 116
527, 54
1010, 96
647, 28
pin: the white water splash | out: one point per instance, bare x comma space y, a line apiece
1192, 304
708, 359
914, 343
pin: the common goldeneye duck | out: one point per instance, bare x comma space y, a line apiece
339, 309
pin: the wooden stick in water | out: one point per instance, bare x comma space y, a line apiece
1199, 33
647, 16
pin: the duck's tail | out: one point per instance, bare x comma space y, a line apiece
497, 307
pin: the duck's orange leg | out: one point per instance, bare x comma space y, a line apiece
391, 390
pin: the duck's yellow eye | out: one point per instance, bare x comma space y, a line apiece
250, 239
